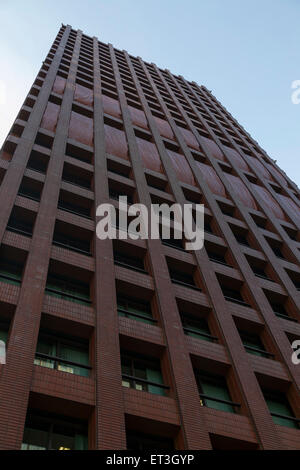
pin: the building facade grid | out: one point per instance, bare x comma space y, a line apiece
98, 123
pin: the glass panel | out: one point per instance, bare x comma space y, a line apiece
140, 370
46, 346
31, 447
65, 437
67, 289
182, 277
130, 261
81, 442
143, 320
126, 366
199, 326
155, 376
280, 406
56, 434
253, 342
3, 335
73, 354
135, 307
139, 441
35, 439
10, 273
61, 442
216, 390
232, 294
54, 287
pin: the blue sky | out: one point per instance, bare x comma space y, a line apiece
247, 52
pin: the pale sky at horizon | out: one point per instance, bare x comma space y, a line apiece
246, 52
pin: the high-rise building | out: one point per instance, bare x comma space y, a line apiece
141, 344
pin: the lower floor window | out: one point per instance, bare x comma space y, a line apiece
54, 433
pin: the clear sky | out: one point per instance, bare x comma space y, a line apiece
246, 51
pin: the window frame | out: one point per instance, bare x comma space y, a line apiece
142, 383
128, 314
204, 377
59, 341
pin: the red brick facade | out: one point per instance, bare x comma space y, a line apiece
262, 204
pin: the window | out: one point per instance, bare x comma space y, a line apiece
68, 289
259, 272
253, 344
279, 310
214, 392
241, 239
240, 235
21, 221
197, 328
79, 153
174, 243
70, 243
156, 181
54, 433
293, 234
4, 328
75, 204
31, 189
116, 194
129, 261
70, 175
278, 303
64, 236
139, 442
280, 409
74, 209
226, 209
207, 226
3, 334
135, 309
10, 272
261, 222
38, 161
62, 354
183, 277
295, 278
142, 373
276, 248
119, 168
233, 296
216, 257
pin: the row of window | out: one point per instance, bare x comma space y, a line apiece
67, 354
55, 432
78, 290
